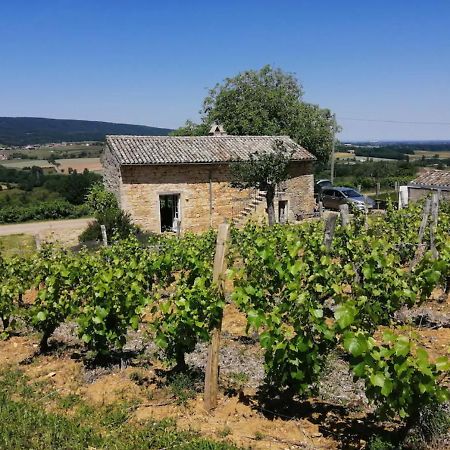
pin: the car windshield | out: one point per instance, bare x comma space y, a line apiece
351, 193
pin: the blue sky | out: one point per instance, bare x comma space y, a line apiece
150, 62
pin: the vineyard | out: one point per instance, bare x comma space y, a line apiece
307, 293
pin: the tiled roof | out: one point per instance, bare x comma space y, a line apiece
130, 150
432, 178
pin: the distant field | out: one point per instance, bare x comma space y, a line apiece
430, 154
79, 164
344, 155
64, 151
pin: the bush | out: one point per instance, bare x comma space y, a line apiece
117, 223
101, 200
57, 209
107, 212
91, 233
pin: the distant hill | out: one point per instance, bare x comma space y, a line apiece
32, 130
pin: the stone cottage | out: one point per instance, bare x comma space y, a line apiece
430, 181
170, 182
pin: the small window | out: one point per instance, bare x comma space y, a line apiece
169, 210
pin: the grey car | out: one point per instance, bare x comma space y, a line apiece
333, 197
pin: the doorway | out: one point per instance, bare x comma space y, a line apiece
282, 211
169, 211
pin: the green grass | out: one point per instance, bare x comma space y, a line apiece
26, 424
17, 245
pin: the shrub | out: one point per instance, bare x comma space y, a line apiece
56, 209
107, 212
117, 223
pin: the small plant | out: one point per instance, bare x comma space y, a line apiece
236, 382
431, 424
138, 378
181, 387
380, 443
226, 431
259, 436
115, 415
69, 401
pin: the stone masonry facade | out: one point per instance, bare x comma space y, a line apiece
417, 193
205, 196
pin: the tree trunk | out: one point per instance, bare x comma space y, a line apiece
5, 322
43, 344
270, 195
180, 361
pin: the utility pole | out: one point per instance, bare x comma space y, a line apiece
333, 131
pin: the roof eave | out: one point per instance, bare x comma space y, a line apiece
437, 187
195, 163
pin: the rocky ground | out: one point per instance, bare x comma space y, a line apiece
339, 417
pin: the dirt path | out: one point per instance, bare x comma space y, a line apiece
64, 231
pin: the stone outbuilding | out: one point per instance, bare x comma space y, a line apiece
170, 182
430, 181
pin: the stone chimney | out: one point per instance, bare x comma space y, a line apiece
217, 130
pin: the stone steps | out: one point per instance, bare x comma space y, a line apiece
249, 209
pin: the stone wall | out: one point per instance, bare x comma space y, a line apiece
111, 173
206, 197
415, 194
300, 189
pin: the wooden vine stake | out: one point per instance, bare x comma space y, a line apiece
104, 236
37, 240
212, 366
330, 226
421, 247
434, 222
345, 217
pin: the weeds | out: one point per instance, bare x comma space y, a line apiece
26, 424
181, 386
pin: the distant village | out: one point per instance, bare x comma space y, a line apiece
6, 151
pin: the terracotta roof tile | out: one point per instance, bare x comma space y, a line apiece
137, 150
438, 178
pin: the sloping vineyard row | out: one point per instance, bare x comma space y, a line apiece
303, 299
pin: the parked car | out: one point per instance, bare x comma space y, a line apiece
333, 197
320, 185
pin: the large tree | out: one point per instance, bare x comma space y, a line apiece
266, 102
263, 171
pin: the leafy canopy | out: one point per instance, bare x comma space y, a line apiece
263, 170
265, 102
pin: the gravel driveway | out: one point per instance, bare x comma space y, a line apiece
64, 231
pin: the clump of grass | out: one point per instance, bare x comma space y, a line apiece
259, 436
226, 431
181, 387
69, 401
138, 378
115, 415
235, 383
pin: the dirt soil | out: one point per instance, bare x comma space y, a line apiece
339, 418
